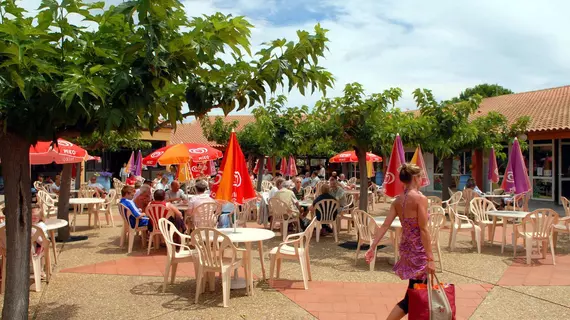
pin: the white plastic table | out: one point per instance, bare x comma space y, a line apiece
92, 204
356, 192
397, 227
52, 225
247, 236
505, 215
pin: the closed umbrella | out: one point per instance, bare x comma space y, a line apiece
292, 167
138, 165
493, 174
516, 178
418, 160
392, 184
284, 168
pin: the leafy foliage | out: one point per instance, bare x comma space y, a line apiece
219, 131
113, 141
484, 90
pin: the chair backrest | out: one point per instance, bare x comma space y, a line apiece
110, 198
206, 215
125, 213
468, 194
168, 229
479, 208
454, 214
434, 201
45, 199
541, 221
266, 186
39, 236
365, 224
349, 201
309, 194
451, 193
211, 245
566, 205
308, 234
278, 208
318, 188
435, 222
38, 186
86, 192
156, 212
242, 212
455, 199
327, 208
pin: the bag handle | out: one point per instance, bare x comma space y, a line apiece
441, 290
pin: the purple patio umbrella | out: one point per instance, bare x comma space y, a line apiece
516, 178
400, 147
138, 165
493, 174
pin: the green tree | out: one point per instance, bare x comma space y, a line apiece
447, 129
113, 141
484, 90
360, 119
131, 69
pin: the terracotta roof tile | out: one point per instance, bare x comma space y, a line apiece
549, 109
192, 132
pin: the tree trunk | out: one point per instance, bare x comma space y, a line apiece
361, 154
261, 160
63, 203
15, 154
446, 183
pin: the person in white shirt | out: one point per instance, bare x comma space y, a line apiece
267, 176
314, 179
175, 193
285, 195
162, 185
157, 180
306, 180
99, 189
54, 187
322, 171
342, 180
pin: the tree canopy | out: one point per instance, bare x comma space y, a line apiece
484, 90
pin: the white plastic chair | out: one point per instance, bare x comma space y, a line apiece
295, 247
130, 231
563, 225
173, 256
460, 221
242, 212
541, 222
452, 202
435, 223
366, 227
39, 258
519, 202
47, 204
309, 193
155, 212
104, 209
266, 186
206, 215
479, 208
283, 214
328, 209
346, 213
213, 248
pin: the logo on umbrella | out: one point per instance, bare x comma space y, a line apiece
237, 179
198, 150
64, 143
218, 178
510, 177
156, 154
390, 178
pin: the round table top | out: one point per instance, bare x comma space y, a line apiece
247, 234
395, 224
181, 206
305, 203
507, 214
53, 224
86, 200
356, 191
497, 196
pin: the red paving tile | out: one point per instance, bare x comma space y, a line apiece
540, 273
375, 300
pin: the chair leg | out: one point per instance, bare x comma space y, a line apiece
149, 244
544, 248
552, 250
3, 275
131, 240
528, 246
357, 252
36, 264
318, 230
303, 264
123, 234
226, 287
261, 260
439, 257
166, 273
478, 238
450, 236
453, 238
308, 261
514, 242
199, 277
284, 228
278, 268
271, 267
335, 232
373, 262
173, 274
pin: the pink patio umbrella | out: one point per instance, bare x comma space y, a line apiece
138, 165
284, 168
493, 174
292, 167
516, 178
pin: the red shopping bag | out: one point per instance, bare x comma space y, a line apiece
434, 302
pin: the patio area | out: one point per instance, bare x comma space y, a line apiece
96, 279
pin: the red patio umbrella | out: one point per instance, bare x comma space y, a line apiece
46, 152
350, 156
392, 184
284, 168
181, 153
292, 167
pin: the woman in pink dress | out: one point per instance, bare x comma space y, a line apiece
416, 257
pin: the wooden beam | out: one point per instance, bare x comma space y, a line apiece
547, 135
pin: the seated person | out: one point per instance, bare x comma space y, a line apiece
142, 197
471, 185
163, 184
178, 219
314, 179
175, 193
267, 176
157, 180
325, 194
342, 180
298, 190
56, 185
225, 220
99, 189
127, 193
37, 221
286, 196
306, 180
334, 175
337, 192
200, 198
131, 180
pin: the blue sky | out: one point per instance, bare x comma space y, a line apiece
442, 45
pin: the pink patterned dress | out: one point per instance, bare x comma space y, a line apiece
413, 258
